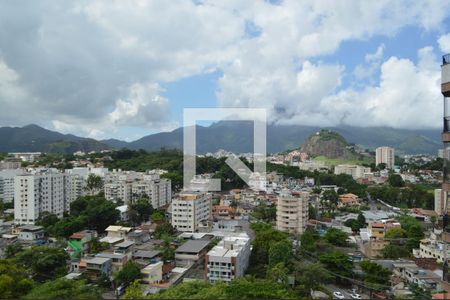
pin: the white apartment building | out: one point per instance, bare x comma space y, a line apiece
127, 186
385, 155
353, 170
191, 211
118, 190
228, 259
43, 191
75, 187
292, 211
432, 248
158, 190
7, 184
439, 202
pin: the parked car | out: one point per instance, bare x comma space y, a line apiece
338, 295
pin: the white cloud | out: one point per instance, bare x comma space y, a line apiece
96, 66
444, 43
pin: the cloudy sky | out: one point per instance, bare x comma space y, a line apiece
125, 69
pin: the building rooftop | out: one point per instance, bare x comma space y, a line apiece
193, 246
118, 228
31, 228
111, 255
97, 260
229, 246
146, 253
124, 244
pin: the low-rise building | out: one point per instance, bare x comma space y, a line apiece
353, 170
118, 260
228, 259
95, 267
152, 273
349, 200
190, 252
30, 233
78, 243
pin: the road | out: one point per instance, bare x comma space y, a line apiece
345, 291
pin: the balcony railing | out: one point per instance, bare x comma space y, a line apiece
446, 59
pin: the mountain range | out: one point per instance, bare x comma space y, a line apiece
235, 136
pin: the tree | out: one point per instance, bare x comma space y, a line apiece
310, 277
375, 275
280, 252
13, 280
338, 264
128, 274
395, 251
95, 246
308, 240
336, 237
265, 213
396, 180
12, 249
158, 216
330, 199
43, 263
62, 288
395, 233
94, 184
139, 211
134, 291
278, 273
167, 250
163, 229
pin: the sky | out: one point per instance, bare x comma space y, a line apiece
125, 69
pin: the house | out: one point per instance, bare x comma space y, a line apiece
147, 255
30, 233
118, 260
378, 229
116, 234
152, 273
190, 252
223, 211
95, 267
348, 200
78, 243
411, 273
125, 247
139, 236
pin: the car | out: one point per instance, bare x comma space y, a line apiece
338, 295
355, 296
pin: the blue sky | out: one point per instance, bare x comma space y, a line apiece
124, 70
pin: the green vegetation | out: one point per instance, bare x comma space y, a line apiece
43, 263
336, 237
356, 160
406, 197
265, 212
403, 240
88, 212
14, 282
128, 274
375, 276
356, 224
139, 211
64, 289
266, 238
242, 288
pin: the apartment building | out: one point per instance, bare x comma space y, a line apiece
228, 259
292, 211
43, 191
190, 211
7, 183
353, 170
385, 155
127, 186
10, 164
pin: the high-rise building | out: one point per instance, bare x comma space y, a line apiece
34, 194
228, 259
191, 210
445, 89
385, 155
7, 184
292, 211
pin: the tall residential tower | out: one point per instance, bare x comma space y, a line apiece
445, 89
